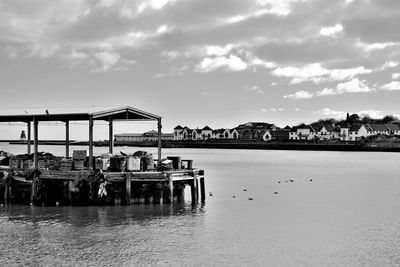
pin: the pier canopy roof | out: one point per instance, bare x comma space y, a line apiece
122, 113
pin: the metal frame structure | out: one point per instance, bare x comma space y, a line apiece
118, 114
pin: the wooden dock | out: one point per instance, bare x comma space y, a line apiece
90, 186
124, 188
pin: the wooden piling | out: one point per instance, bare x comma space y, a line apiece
127, 189
6, 194
171, 189
202, 190
193, 191
33, 190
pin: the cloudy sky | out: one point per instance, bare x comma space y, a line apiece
202, 62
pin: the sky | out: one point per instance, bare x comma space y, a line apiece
199, 62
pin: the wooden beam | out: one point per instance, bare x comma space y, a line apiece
159, 126
110, 135
35, 142
29, 138
91, 142
193, 191
67, 139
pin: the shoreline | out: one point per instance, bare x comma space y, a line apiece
253, 145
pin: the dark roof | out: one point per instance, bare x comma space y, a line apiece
206, 128
280, 134
257, 125
378, 127
355, 127
123, 113
178, 127
287, 127
393, 127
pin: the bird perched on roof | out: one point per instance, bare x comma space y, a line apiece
47, 112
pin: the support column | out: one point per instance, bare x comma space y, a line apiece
202, 190
110, 136
193, 191
6, 194
29, 138
171, 189
67, 139
35, 142
91, 143
127, 189
159, 142
33, 190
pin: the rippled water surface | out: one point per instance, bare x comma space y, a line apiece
348, 215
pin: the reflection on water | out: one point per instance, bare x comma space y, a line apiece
120, 235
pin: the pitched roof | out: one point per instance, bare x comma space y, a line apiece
355, 127
206, 128
378, 127
178, 127
393, 127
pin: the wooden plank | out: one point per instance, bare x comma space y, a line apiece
159, 141
110, 135
33, 190
29, 138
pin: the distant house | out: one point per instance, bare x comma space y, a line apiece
254, 130
377, 128
343, 129
323, 131
280, 134
233, 133
302, 132
206, 132
357, 132
178, 133
267, 135
394, 129
218, 133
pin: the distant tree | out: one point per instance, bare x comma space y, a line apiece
388, 119
367, 119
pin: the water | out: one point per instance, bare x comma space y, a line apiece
348, 215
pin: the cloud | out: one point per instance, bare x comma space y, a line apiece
107, 60
395, 76
255, 88
331, 31
214, 50
154, 4
375, 114
279, 7
276, 109
393, 86
317, 74
300, 95
374, 46
353, 86
231, 63
327, 112
389, 64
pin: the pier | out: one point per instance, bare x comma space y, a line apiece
54, 181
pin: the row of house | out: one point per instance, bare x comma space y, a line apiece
345, 131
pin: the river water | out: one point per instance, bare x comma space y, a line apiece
348, 215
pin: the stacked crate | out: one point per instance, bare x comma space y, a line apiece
79, 157
66, 165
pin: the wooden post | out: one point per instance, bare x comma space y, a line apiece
193, 191
91, 143
33, 190
197, 187
29, 138
202, 189
35, 142
6, 194
110, 135
128, 189
171, 189
67, 139
159, 141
